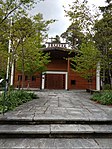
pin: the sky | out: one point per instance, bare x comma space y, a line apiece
53, 9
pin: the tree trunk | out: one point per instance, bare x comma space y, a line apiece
110, 76
22, 67
103, 80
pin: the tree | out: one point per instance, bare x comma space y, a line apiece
73, 36
82, 21
85, 61
17, 28
3, 49
34, 59
103, 40
11, 10
80, 36
3, 63
27, 36
9, 7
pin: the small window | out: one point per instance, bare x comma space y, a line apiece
26, 78
73, 82
89, 79
33, 78
19, 77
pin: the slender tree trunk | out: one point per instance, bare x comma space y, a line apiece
22, 67
104, 67
103, 80
110, 76
28, 82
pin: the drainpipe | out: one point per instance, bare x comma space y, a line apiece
43, 80
68, 73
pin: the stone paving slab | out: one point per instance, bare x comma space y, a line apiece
66, 104
27, 129
56, 143
78, 128
104, 143
71, 129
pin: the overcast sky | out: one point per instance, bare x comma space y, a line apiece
53, 9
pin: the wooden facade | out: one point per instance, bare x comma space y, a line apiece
59, 74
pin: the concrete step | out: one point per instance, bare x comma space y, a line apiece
55, 143
52, 120
56, 131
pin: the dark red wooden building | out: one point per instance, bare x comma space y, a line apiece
59, 73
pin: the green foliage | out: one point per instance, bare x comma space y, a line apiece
33, 61
26, 35
3, 62
15, 98
82, 22
80, 13
14, 7
73, 36
30, 34
16, 26
107, 87
86, 60
103, 39
103, 97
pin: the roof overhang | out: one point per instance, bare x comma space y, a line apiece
59, 52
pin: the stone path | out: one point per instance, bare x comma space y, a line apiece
58, 119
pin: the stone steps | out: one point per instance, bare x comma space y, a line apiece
58, 143
56, 131
54, 127
52, 120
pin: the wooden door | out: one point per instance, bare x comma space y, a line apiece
55, 81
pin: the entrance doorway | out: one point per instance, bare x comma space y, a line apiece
54, 80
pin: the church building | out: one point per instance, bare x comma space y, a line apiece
59, 73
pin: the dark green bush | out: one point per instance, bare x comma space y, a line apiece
15, 98
107, 87
104, 97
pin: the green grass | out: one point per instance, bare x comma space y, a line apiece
14, 99
104, 97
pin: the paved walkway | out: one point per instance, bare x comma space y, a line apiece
68, 105
60, 105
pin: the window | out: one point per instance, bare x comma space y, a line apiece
73, 82
33, 78
26, 78
19, 77
89, 79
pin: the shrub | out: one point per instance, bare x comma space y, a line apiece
107, 87
15, 98
104, 97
